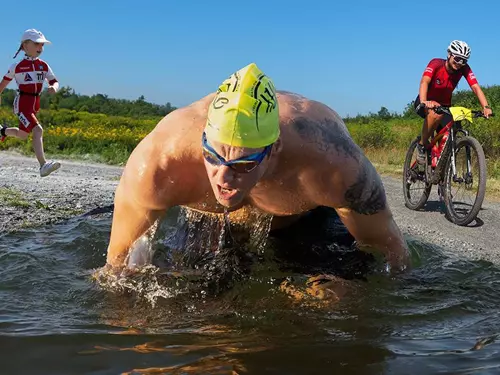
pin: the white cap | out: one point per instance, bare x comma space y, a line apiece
34, 35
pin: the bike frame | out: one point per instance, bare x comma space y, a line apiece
435, 176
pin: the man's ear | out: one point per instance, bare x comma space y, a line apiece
278, 146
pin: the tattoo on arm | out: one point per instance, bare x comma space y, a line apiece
327, 135
367, 195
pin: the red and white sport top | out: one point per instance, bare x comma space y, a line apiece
30, 74
443, 83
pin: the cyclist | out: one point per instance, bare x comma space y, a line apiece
438, 82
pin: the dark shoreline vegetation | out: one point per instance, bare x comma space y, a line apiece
104, 129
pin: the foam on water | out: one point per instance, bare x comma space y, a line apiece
204, 248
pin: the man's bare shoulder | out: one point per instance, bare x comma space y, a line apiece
353, 181
319, 132
176, 134
315, 125
183, 118
163, 158
294, 106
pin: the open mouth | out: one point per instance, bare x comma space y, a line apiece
226, 193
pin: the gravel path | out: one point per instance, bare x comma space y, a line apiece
27, 200
479, 240
79, 187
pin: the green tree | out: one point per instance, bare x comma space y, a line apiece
384, 113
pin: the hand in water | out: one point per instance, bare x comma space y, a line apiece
140, 254
113, 271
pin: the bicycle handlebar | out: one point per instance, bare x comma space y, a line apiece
446, 110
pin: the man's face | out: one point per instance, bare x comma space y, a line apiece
232, 183
33, 49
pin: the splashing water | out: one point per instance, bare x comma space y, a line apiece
144, 283
199, 232
209, 251
142, 251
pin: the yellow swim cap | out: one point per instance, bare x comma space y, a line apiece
244, 112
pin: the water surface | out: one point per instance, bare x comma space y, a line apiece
439, 317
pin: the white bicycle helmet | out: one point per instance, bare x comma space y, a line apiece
459, 48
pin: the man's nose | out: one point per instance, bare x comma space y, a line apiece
225, 175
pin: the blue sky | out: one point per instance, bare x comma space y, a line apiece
355, 56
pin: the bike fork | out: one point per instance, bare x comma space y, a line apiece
453, 159
468, 177
453, 166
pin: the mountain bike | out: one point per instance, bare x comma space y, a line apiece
453, 158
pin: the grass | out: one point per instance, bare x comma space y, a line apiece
389, 162
13, 198
110, 139
83, 136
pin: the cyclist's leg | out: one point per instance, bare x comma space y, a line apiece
430, 125
445, 119
431, 122
421, 153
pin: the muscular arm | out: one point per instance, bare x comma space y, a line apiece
365, 213
132, 218
344, 179
159, 175
141, 198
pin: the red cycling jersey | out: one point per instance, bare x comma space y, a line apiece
30, 73
443, 83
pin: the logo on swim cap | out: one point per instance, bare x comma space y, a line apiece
244, 112
220, 102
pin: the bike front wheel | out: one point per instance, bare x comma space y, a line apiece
415, 188
464, 190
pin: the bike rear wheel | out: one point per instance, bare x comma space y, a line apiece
464, 192
415, 188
